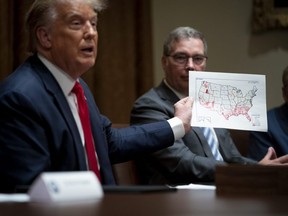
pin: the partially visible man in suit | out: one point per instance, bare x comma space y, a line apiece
42, 127
277, 134
190, 159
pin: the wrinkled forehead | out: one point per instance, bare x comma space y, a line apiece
187, 44
65, 9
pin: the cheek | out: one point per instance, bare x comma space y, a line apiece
176, 68
200, 68
173, 71
65, 43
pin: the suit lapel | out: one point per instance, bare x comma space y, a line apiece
55, 91
203, 142
100, 141
222, 151
67, 114
167, 94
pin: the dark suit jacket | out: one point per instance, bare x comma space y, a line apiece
38, 132
189, 159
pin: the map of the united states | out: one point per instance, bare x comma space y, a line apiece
226, 100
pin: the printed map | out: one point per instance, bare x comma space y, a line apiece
226, 100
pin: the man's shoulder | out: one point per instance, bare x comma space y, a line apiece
151, 94
159, 93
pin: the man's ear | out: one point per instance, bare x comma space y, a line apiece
164, 61
43, 37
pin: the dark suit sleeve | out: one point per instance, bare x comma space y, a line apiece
130, 142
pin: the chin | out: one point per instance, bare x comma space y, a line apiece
88, 64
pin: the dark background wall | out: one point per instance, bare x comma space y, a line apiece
131, 34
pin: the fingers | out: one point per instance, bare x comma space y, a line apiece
283, 160
187, 101
183, 110
268, 154
271, 158
271, 154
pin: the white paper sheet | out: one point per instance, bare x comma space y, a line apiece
228, 100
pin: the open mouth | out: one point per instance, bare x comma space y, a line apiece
88, 50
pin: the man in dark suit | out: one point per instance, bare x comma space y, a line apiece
40, 128
190, 159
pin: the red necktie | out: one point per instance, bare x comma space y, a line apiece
85, 121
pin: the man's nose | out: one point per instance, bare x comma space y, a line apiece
190, 64
90, 30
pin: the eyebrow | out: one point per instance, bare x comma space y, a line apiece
72, 14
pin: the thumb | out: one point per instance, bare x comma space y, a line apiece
271, 154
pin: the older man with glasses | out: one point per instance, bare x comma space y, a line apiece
191, 159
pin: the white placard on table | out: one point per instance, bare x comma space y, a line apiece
65, 186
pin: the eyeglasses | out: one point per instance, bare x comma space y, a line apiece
183, 59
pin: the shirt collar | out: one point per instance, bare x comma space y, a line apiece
178, 94
64, 80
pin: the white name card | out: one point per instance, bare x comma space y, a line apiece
66, 186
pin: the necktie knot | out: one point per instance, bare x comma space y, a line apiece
77, 89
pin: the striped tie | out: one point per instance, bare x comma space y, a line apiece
213, 143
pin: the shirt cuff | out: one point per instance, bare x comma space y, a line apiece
177, 127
